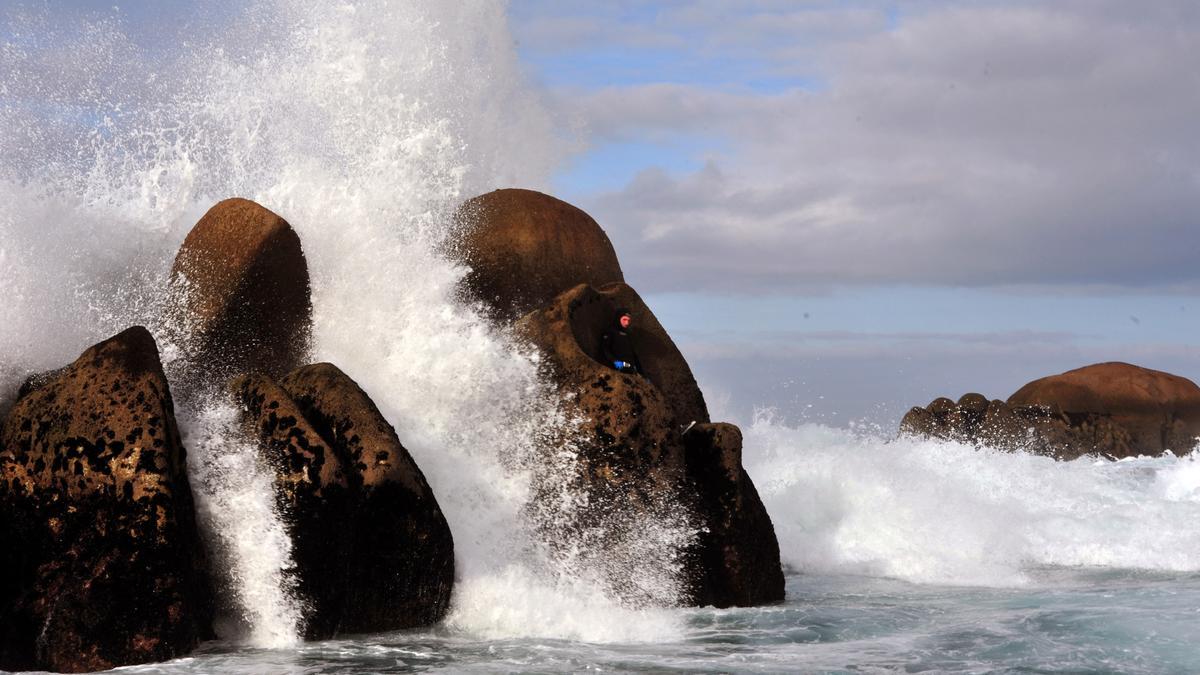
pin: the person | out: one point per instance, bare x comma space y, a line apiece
617, 344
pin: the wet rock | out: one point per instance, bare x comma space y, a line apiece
101, 563
1160, 411
525, 247
1037, 429
632, 453
373, 551
239, 296
738, 552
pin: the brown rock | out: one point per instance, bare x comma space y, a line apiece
239, 295
525, 247
974, 403
101, 564
632, 453
373, 551
738, 552
1037, 429
1160, 411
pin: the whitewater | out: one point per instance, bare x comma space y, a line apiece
365, 124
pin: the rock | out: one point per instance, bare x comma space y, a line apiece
975, 403
102, 564
1160, 411
373, 551
239, 296
1037, 429
738, 551
631, 454
525, 247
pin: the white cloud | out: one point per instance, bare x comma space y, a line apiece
972, 144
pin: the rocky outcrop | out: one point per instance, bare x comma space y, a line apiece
1160, 411
373, 551
1037, 429
1112, 410
737, 553
524, 248
632, 450
101, 563
239, 296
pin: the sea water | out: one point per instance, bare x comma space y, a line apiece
364, 124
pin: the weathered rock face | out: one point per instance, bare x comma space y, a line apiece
101, 563
239, 295
1160, 411
633, 452
525, 247
737, 552
1038, 429
372, 548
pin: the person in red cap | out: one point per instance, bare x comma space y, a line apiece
617, 344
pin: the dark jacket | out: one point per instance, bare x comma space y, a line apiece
617, 345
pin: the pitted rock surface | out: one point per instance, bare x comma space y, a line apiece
239, 295
632, 451
101, 564
372, 548
1160, 411
525, 247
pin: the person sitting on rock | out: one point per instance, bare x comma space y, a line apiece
617, 345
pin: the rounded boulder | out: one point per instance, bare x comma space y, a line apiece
239, 295
524, 248
1159, 410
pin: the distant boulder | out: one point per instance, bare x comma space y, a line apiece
239, 296
633, 453
373, 551
524, 248
1160, 411
101, 563
1037, 429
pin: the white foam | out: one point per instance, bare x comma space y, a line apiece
252, 553
937, 512
362, 123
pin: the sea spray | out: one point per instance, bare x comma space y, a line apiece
945, 513
235, 503
362, 124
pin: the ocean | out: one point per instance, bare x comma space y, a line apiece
364, 124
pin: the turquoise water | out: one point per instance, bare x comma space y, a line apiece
1067, 621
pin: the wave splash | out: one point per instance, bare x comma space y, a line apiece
363, 124
945, 513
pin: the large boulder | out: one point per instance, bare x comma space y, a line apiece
1037, 429
372, 549
524, 248
239, 296
1160, 411
101, 563
737, 553
632, 451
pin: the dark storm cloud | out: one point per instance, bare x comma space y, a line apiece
974, 144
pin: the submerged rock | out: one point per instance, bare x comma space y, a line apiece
101, 563
239, 295
525, 247
372, 549
633, 453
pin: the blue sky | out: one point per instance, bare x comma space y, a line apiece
842, 209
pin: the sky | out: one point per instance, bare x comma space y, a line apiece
844, 209
840, 210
